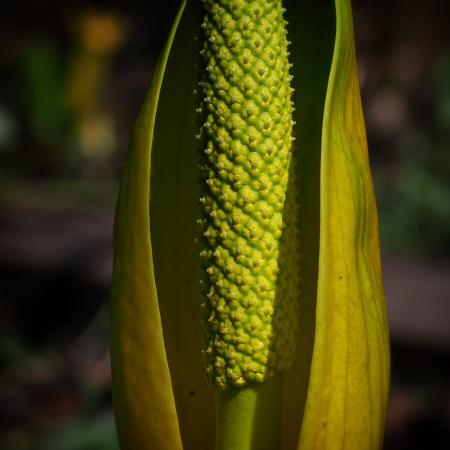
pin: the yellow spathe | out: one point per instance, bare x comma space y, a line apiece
335, 395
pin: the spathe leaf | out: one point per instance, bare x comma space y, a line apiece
349, 379
335, 396
155, 221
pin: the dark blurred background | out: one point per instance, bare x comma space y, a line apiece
73, 75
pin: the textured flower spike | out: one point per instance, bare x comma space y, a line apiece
250, 255
293, 330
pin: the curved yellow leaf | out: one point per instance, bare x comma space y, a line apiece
142, 390
349, 377
158, 378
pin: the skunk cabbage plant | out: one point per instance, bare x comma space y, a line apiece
247, 301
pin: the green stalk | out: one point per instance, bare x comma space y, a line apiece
249, 418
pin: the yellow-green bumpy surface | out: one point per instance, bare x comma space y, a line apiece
250, 247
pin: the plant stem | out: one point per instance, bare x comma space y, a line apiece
249, 418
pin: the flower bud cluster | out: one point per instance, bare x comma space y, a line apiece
250, 249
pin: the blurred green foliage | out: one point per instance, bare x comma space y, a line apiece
415, 212
414, 190
85, 434
82, 433
41, 74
